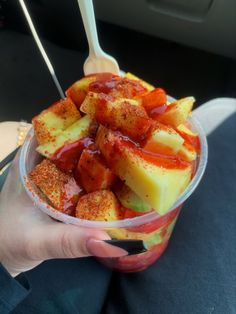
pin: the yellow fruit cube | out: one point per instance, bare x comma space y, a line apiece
73, 133
99, 205
158, 186
60, 189
52, 121
184, 129
177, 113
187, 152
164, 140
157, 181
131, 76
125, 115
78, 91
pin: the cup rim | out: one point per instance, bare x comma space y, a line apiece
128, 222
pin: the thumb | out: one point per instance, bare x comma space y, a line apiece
67, 241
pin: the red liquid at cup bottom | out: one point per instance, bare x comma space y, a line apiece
138, 262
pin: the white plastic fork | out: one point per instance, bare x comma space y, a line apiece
98, 60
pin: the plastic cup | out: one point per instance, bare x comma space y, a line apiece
153, 229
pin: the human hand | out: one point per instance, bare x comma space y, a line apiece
28, 236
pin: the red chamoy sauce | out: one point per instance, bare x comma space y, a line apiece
118, 87
165, 161
66, 157
92, 172
160, 222
69, 197
192, 140
155, 102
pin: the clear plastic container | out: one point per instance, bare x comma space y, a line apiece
154, 229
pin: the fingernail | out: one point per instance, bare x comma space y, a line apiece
100, 248
131, 246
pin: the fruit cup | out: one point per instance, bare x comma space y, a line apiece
153, 229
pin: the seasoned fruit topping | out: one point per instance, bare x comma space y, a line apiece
189, 136
78, 91
52, 121
156, 179
99, 205
125, 115
118, 87
133, 77
155, 102
177, 113
61, 189
164, 140
67, 156
93, 173
120, 144
75, 132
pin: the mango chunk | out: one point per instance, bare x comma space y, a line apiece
187, 152
125, 115
60, 189
53, 120
78, 91
131, 76
157, 181
93, 172
190, 137
184, 129
100, 206
177, 112
118, 87
155, 102
73, 133
131, 200
164, 140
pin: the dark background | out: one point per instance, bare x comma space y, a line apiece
26, 86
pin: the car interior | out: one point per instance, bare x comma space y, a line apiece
187, 48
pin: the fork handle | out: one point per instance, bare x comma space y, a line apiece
87, 13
